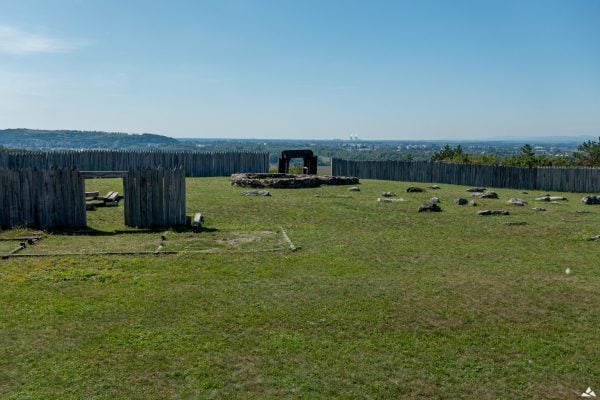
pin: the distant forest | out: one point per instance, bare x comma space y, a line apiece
545, 152
33, 139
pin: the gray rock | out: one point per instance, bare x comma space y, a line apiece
488, 195
390, 200
538, 209
517, 202
476, 189
473, 203
429, 207
414, 189
591, 200
493, 212
597, 237
461, 201
256, 193
388, 194
434, 200
354, 189
434, 187
551, 198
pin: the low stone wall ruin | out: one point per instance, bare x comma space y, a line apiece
289, 181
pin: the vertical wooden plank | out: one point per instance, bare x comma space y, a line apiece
167, 184
3, 201
145, 194
173, 198
156, 198
182, 198
135, 195
81, 196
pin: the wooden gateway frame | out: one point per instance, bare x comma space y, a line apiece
153, 196
310, 161
54, 198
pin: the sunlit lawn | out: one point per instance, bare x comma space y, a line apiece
380, 302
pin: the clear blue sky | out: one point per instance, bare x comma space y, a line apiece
306, 69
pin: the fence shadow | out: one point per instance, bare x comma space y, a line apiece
157, 230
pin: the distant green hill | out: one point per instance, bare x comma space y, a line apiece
68, 139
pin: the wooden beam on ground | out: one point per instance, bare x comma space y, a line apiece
287, 239
15, 250
111, 197
142, 252
22, 238
197, 222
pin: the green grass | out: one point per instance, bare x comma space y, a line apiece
380, 302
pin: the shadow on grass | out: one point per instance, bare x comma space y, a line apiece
97, 232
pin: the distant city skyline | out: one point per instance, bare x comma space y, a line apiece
380, 70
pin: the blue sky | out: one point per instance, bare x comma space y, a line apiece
303, 69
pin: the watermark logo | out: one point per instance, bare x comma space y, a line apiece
588, 393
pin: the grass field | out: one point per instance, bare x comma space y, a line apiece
380, 301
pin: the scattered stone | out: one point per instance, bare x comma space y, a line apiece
434, 200
487, 195
388, 194
517, 202
493, 212
597, 237
389, 200
414, 189
591, 200
434, 187
473, 203
476, 189
568, 271
524, 192
547, 197
538, 209
256, 193
583, 212
354, 189
429, 207
461, 201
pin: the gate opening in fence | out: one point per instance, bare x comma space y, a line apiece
153, 196
55, 198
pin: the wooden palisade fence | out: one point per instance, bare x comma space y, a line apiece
155, 197
195, 164
584, 180
49, 199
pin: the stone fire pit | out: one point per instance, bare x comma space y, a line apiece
289, 181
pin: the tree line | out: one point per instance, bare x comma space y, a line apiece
587, 155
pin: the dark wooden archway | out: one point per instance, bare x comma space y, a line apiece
310, 161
